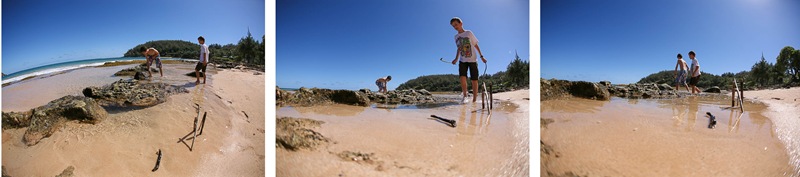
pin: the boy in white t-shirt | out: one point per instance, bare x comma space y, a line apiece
202, 61
466, 44
695, 73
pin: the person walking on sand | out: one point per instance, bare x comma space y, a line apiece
202, 61
152, 55
466, 44
680, 75
381, 82
695, 70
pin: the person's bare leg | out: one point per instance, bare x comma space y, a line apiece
149, 73
205, 75
474, 90
464, 86
197, 73
161, 71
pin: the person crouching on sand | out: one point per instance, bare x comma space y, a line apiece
152, 55
680, 75
381, 82
202, 61
466, 44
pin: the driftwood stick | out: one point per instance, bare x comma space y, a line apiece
202, 124
158, 161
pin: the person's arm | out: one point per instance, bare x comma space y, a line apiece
456, 59
205, 56
479, 53
676, 68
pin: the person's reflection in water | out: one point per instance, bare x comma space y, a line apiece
678, 111
693, 107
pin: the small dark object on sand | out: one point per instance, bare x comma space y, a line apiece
158, 162
451, 123
712, 121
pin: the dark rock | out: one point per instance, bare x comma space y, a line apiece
424, 92
131, 93
664, 87
605, 83
140, 75
349, 97
68, 172
713, 89
43, 121
589, 90
5, 173
133, 70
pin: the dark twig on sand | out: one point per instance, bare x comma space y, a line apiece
451, 123
158, 161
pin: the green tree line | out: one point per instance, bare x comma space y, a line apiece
515, 76
248, 50
785, 72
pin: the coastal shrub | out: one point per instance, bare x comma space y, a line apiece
518, 72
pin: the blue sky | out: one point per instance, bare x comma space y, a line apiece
349, 44
42, 32
624, 40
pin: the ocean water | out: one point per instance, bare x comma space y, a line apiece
60, 67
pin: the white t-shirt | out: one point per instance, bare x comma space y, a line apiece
203, 50
466, 42
695, 72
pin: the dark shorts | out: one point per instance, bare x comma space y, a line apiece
694, 80
200, 66
473, 70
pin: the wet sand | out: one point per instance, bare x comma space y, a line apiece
125, 144
784, 111
669, 137
404, 142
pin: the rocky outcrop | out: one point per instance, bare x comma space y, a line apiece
295, 133
132, 93
604, 90
134, 70
43, 121
140, 76
552, 89
713, 89
410, 96
315, 96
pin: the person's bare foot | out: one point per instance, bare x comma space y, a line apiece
196, 82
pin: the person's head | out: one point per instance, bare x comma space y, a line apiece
388, 78
143, 50
691, 54
680, 56
201, 40
457, 24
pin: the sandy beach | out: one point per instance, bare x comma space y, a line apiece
784, 111
126, 142
404, 142
660, 137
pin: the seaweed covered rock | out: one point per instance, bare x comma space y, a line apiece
133, 70
132, 93
315, 96
43, 121
409, 96
295, 133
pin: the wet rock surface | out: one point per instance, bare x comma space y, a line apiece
192, 74
295, 134
604, 90
126, 93
132, 71
401, 96
314, 96
43, 121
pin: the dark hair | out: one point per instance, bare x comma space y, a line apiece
455, 19
389, 77
680, 56
692, 53
201, 38
142, 48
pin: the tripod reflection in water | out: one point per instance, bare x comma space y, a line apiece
473, 121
